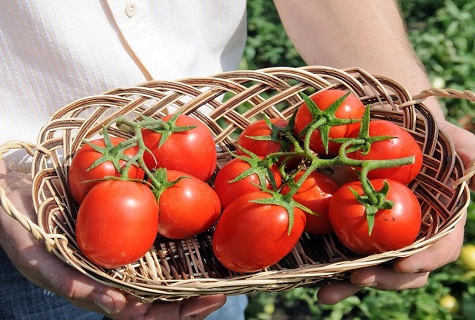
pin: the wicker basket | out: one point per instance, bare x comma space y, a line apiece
228, 102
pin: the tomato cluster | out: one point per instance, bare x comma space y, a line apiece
131, 190
330, 168
340, 172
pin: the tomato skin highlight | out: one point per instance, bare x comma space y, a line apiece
315, 193
85, 157
188, 208
250, 236
351, 108
192, 151
393, 228
229, 191
117, 223
402, 145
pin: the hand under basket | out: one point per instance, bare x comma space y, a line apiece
226, 103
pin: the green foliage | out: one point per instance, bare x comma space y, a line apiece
445, 42
442, 32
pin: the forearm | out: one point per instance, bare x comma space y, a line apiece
353, 33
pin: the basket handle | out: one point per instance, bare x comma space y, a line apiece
440, 93
447, 93
12, 211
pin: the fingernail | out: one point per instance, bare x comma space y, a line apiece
105, 302
371, 285
414, 271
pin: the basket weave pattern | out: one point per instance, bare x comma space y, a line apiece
227, 103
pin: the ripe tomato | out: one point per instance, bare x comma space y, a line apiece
228, 190
80, 178
350, 108
192, 151
187, 208
117, 223
393, 228
315, 194
401, 145
252, 236
260, 129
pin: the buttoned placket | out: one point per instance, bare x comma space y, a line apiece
134, 27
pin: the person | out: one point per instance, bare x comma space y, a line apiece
54, 52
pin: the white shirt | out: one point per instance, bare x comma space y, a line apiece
55, 52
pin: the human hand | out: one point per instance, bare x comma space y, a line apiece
47, 271
410, 272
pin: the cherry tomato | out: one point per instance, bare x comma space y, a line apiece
117, 223
192, 151
81, 180
393, 228
187, 208
315, 194
229, 190
350, 108
401, 145
251, 236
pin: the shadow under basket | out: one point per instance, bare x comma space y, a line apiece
226, 103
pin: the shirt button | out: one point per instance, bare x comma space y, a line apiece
130, 9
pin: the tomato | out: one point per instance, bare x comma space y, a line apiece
117, 223
450, 303
263, 140
192, 151
187, 208
467, 256
229, 190
402, 144
350, 108
393, 228
80, 179
252, 236
315, 194
261, 129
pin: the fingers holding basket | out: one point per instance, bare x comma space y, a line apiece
405, 273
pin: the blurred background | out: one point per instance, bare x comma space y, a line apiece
443, 34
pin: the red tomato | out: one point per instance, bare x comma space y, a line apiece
350, 108
260, 129
228, 191
192, 151
401, 145
79, 175
251, 236
315, 194
393, 228
187, 208
117, 223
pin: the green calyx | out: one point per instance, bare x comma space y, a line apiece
160, 183
261, 167
164, 128
114, 154
285, 201
373, 201
324, 120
